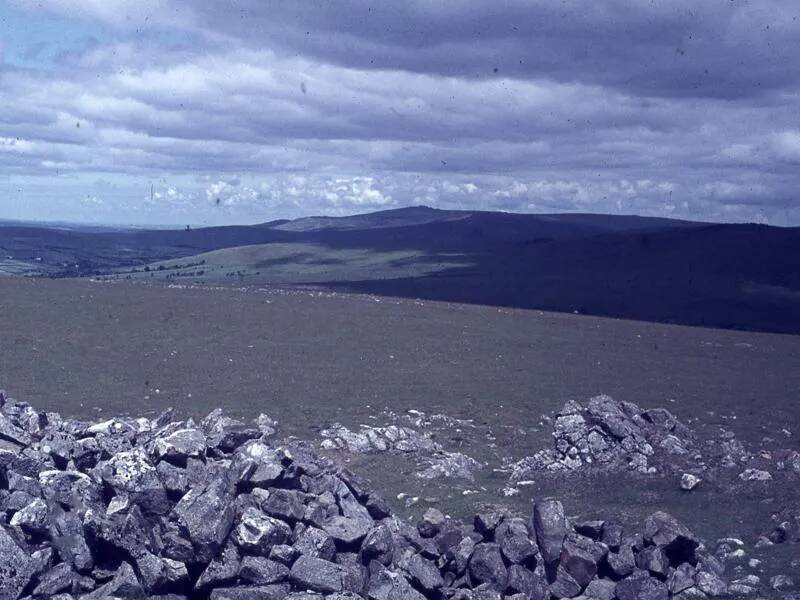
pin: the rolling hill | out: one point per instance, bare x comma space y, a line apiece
718, 275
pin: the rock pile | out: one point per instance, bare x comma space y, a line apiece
606, 434
135, 508
433, 459
787, 528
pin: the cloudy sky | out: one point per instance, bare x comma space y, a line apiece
179, 111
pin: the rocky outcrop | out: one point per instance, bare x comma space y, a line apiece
136, 508
606, 435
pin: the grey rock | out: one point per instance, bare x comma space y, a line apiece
317, 575
710, 583
641, 588
221, 570
180, 445
654, 560
123, 585
524, 581
681, 578
16, 567
315, 543
284, 504
389, 585
58, 579
564, 584
677, 542
378, 543
515, 543
347, 530
206, 514
550, 525
781, 582
423, 572
131, 473
243, 592
257, 532
33, 519
601, 589
578, 560
262, 571
486, 566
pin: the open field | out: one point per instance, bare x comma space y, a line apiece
311, 359
733, 276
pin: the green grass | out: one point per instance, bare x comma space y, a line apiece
295, 263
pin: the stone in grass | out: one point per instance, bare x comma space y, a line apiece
755, 475
689, 482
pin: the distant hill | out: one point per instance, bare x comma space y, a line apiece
733, 276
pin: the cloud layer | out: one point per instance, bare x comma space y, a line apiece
205, 112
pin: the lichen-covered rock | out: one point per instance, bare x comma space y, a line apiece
318, 575
550, 526
610, 435
135, 508
16, 567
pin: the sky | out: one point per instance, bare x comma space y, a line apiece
159, 112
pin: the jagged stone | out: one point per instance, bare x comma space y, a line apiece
131, 473
378, 544
677, 542
33, 519
262, 571
180, 446
315, 543
207, 515
423, 572
389, 585
16, 567
346, 530
220, 571
524, 581
257, 532
641, 588
550, 526
58, 579
515, 543
123, 585
238, 518
317, 575
486, 566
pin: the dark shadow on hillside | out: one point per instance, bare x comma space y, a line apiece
741, 277
731, 276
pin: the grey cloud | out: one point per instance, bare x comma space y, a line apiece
602, 106
731, 49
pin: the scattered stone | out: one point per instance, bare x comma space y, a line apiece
433, 459
689, 482
755, 475
170, 510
